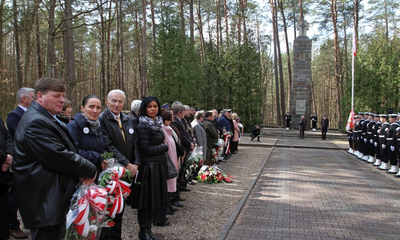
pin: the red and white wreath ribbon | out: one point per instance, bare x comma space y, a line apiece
95, 198
119, 189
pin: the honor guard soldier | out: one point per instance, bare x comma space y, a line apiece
370, 149
398, 146
364, 135
288, 120
375, 139
357, 133
391, 144
314, 121
350, 137
382, 142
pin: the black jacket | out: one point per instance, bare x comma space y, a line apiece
125, 152
151, 145
90, 145
324, 123
47, 168
6, 147
186, 140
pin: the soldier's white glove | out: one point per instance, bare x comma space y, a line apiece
371, 141
365, 140
383, 146
375, 144
392, 148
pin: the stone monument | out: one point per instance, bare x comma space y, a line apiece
300, 99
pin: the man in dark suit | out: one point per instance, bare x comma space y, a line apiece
324, 126
47, 166
186, 141
24, 99
121, 139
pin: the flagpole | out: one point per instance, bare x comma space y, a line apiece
352, 66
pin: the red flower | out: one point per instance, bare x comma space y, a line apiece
203, 177
227, 180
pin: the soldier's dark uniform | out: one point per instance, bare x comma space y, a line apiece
363, 138
398, 147
314, 121
370, 149
357, 134
391, 145
375, 138
382, 142
288, 120
360, 139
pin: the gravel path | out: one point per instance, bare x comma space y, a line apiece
208, 206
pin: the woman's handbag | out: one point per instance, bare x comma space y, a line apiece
171, 169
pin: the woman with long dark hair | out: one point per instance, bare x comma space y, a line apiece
151, 194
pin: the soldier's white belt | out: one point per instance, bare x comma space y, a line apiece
389, 139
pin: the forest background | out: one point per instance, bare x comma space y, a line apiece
205, 53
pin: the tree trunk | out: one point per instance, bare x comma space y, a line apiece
17, 47
191, 23
69, 51
51, 68
274, 26
201, 34
289, 66
226, 22
278, 49
153, 25
143, 78
338, 63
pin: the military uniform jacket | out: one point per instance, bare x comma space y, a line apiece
375, 133
391, 136
370, 128
364, 130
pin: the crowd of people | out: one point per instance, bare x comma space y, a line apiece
375, 138
45, 154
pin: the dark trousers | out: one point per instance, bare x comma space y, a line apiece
160, 215
301, 134
234, 146
324, 133
13, 209
113, 232
4, 232
44, 233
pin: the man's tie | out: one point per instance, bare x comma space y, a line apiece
120, 127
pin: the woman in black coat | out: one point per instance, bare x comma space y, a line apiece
152, 194
86, 132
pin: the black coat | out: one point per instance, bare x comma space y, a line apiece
47, 168
302, 124
125, 151
6, 147
324, 123
186, 140
152, 193
90, 145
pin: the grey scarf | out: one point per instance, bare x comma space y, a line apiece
153, 124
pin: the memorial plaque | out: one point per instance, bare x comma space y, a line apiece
301, 106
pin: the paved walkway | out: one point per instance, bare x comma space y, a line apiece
313, 189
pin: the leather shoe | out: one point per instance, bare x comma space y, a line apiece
18, 233
170, 212
185, 189
192, 183
172, 208
166, 223
177, 204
